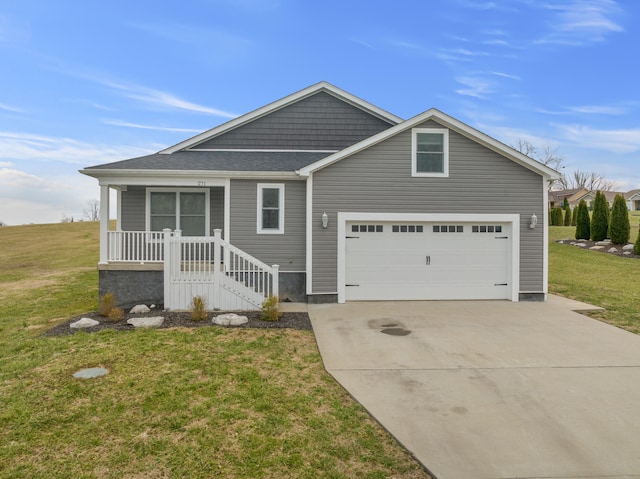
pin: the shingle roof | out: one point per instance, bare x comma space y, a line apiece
219, 161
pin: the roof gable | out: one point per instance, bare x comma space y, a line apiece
446, 121
285, 111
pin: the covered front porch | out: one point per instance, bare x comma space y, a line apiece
166, 245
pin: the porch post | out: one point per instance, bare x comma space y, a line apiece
275, 287
217, 244
168, 250
104, 224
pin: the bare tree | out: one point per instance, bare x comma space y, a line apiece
589, 180
66, 219
2, 223
545, 154
92, 211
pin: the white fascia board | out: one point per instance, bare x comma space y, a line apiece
181, 177
309, 235
444, 120
276, 105
545, 240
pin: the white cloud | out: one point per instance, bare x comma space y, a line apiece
10, 108
586, 110
5, 164
598, 109
582, 22
475, 87
618, 141
26, 146
162, 99
506, 75
221, 42
10, 178
405, 45
26, 197
126, 124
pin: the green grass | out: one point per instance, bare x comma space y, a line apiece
204, 402
601, 279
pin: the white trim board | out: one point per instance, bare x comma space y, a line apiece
514, 219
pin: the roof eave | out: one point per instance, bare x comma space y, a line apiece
180, 177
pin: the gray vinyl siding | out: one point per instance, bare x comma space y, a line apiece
319, 122
286, 250
379, 180
133, 208
216, 202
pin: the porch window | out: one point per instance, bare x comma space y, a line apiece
270, 213
430, 152
178, 210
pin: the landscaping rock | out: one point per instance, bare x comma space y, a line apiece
84, 323
628, 247
230, 319
139, 309
627, 253
581, 245
151, 322
90, 373
597, 247
612, 250
606, 242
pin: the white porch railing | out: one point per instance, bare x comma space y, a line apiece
135, 246
194, 266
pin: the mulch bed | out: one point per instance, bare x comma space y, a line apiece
589, 244
173, 319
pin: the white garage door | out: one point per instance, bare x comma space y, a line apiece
427, 261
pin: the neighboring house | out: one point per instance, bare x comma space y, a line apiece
557, 197
352, 203
590, 196
633, 200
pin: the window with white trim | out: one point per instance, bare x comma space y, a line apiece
270, 208
185, 210
430, 152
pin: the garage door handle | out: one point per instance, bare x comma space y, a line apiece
428, 260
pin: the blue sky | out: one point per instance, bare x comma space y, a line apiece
87, 82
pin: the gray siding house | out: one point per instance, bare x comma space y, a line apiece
324, 197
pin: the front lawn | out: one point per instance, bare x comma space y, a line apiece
601, 279
205, 402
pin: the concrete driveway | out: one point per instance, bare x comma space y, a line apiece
492, 389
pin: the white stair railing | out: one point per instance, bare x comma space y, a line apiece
194, 266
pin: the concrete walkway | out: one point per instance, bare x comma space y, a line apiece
492, 389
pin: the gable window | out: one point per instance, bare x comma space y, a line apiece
430, 152
185, 210
270, 208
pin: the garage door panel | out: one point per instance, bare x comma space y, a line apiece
460, 263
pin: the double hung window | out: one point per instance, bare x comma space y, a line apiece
430, 152
270, 212
178, 210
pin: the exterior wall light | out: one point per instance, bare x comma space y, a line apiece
325, 220
533, 222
